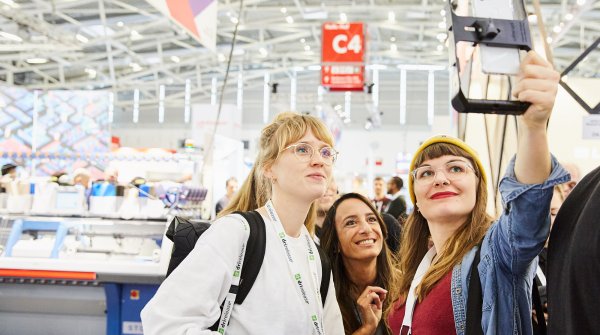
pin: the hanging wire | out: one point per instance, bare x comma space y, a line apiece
211, 142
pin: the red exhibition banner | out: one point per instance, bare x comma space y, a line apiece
343, 56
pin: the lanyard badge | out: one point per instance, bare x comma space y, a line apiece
312, 303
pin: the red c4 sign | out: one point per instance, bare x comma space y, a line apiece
342, 56
343, 42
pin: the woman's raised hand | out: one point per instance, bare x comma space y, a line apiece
370, 307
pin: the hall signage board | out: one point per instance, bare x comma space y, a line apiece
343, 55
591, 127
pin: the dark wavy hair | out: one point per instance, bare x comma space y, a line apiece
346, 291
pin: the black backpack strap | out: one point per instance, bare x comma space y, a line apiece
540, 327
325, 274
255, 253
474, 299
253, 258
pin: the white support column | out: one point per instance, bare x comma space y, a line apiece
186, 102
293, 90
375, 91
213, 91
430, 97
348, 105
111, 107
240, 91
136, 105
161, 104
402, 96
266, 98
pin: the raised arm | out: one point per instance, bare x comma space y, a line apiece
527, 186
537, 84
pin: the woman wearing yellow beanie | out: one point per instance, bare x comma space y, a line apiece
448, 187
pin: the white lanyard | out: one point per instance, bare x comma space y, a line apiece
230, 298
312, 302
409, 306
540, 275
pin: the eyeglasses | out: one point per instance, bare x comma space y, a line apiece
454, 170
305, 152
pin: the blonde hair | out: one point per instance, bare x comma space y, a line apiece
286, 129
416, 235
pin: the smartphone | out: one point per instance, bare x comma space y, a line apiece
497, 60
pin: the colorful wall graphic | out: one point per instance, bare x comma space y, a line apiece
198, 17
43, 128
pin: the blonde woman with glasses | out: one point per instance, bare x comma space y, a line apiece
291, 171
448, 186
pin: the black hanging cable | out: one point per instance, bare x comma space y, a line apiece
487, 137
211, 142
497, 185
503, 142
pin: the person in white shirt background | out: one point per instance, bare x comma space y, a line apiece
292, 170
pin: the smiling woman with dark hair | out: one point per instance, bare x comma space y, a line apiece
363, 268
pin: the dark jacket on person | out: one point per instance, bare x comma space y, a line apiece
574, 261
397, 207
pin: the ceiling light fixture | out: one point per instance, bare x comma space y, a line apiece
10, 3
10, 36
135, 67
81, 38
135, 35
289, 19
91, 73
391, 16
37, 60
175, 59
343, 17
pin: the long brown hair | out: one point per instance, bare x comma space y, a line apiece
286, 129
346, 291
416, 235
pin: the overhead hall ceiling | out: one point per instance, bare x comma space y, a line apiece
124, 45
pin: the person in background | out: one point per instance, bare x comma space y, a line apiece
111, 175
323, 204
575, 176
363, 267
9, 170
448, 186
394, 232
397, 205
9, 174
231, 185
292, 169
380, 200
83, 177
573, 267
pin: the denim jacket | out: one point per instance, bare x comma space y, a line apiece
508, 256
